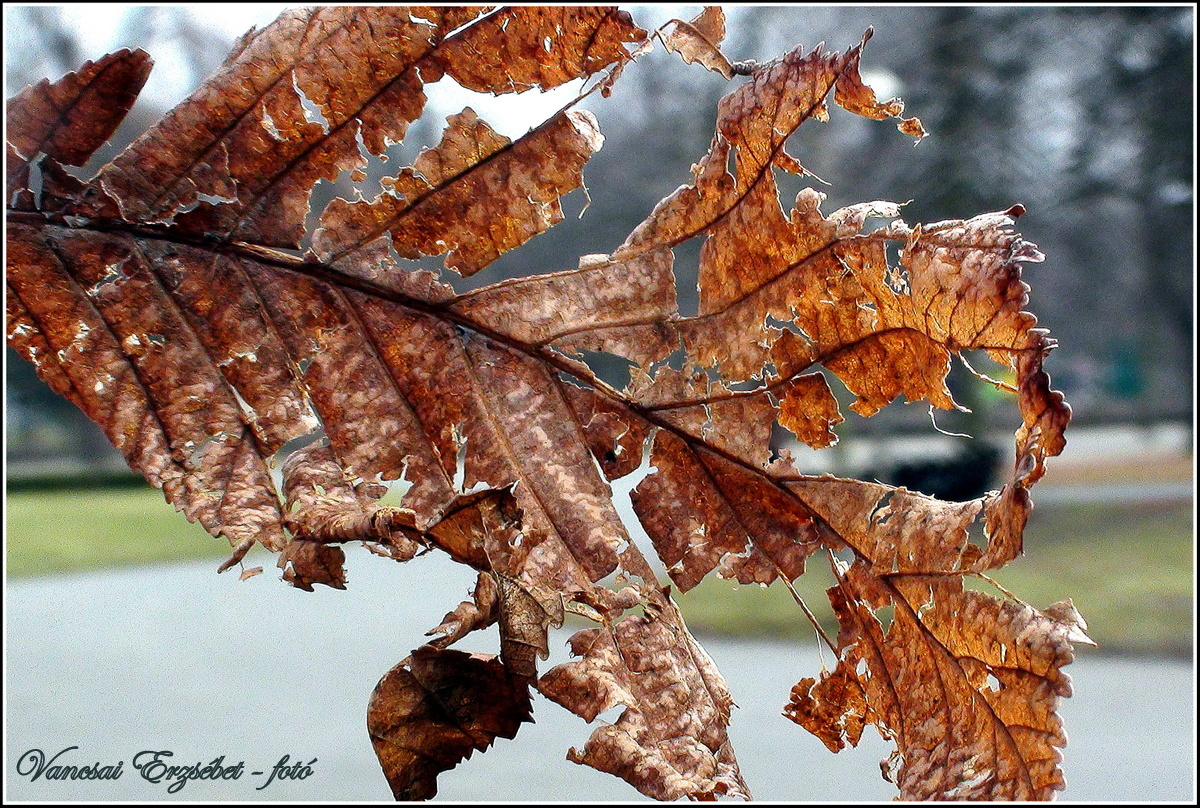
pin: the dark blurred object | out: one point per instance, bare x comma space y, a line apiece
965, 475
101, 478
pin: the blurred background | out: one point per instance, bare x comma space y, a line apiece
1084, 115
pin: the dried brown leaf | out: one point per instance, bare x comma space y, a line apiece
436, 708
618, 307
474, 196
151, 298
113, 334
306, 562
705, 512
71, 118
470, 615
670, 740
250, 143
833, 708
699, 40
966, 684
517, 49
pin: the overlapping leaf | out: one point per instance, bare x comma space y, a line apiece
150, 297
699, 40
967, 686
435, 709
68, 120
667, 741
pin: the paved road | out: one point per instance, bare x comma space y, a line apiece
178, 658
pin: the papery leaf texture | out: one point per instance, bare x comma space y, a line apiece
276, 394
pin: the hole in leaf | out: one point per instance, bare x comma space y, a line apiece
744, 386
845, 555
610, 368
312, 112
896, 276
687, 276
295, 444
885, 615
35, 182
877, 517
977, 534
612, 715
787, 325
788, 185
394, 496
675, 360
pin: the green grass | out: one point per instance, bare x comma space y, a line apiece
1128, 569
70, 530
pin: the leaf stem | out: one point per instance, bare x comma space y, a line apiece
808, 613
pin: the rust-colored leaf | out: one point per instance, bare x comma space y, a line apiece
523, 619
71, 118
433, 207
517, 49
832, 708
705, 512
251, 142
413, 418
436, 708
859, 98
306, 562
479, 612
